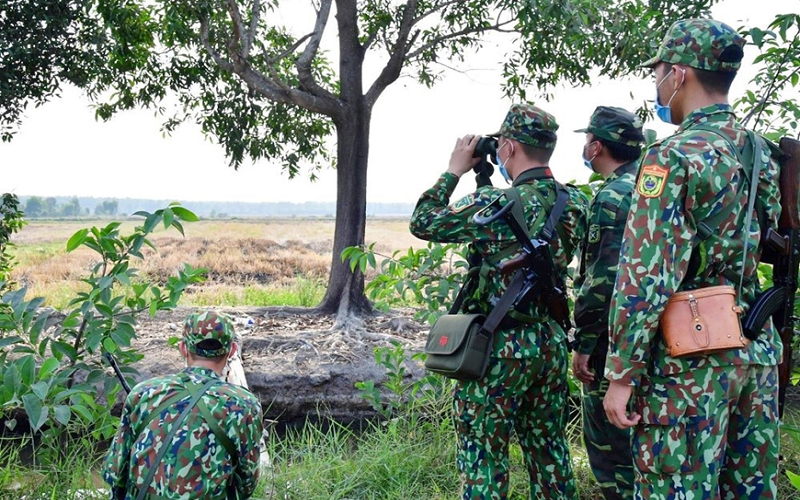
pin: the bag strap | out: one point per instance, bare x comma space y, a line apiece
555, 211
168, 440
746, 158
750, 159
223, 439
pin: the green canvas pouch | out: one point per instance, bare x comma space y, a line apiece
457, 347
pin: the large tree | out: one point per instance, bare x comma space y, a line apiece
44, 44
265, 90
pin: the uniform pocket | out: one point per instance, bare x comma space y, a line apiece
665, 442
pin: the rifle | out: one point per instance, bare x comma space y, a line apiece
781, 249
113, 362
542, 279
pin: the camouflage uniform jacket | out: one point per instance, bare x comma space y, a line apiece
683, 180
197, 465
599, 258
433, 219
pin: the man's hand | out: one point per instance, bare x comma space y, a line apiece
580, 367
461, 160
616, 405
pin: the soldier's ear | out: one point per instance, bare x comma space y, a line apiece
182, 348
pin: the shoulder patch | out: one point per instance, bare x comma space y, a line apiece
651, 181
463, 204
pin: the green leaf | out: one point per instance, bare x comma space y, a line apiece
27, 369
124, 279
84, 412
41, 389
61, 349
37, 413
110, 345
48, 367
120, 338
7, 341
794, 478
77, 239
185, 214
104, 310
168, 217
62, 414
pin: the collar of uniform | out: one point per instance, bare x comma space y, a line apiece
625, 168
713, 112
201, 371
542, 172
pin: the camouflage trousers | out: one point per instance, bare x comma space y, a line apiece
708, 434
527, 396
607, 446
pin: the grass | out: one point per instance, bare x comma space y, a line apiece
302, 292
410, 456
66, 473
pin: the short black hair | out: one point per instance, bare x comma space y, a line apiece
620, 152
536, 153
715, 82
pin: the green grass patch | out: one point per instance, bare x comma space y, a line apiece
49, 471
36, 254
303, 292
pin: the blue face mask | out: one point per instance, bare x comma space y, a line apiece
503, 171
501, 165
587, 163
664, 112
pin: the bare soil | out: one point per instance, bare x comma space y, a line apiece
294, 362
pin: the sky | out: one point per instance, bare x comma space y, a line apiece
61, 150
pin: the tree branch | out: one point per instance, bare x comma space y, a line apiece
327, 106
255, 15
466, 31
304, 62
273, 87
391, 72
218, 59
238, 31
772, 84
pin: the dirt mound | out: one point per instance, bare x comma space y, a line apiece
295, 363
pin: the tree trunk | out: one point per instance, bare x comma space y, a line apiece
345, 294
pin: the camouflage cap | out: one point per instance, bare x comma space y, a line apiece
615, 125
216, 328
530, 125
700, 43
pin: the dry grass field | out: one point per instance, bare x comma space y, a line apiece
249, 262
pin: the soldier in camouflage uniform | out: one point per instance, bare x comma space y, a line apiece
198, 463
613, 146
525, 386
705, 427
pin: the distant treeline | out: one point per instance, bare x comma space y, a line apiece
76, 206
